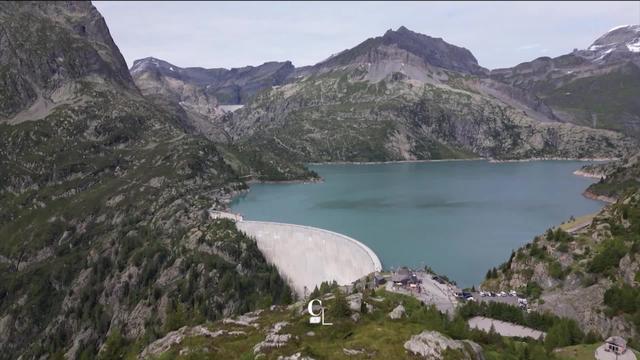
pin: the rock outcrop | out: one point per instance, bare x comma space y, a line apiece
176, 337
49, 50
273, 339
433, 345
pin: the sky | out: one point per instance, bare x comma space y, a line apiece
236, 34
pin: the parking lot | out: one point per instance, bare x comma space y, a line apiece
507, 299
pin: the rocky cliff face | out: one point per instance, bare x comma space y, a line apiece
404, 120
103, 199
590, 273
204, 96
594, 87
48, 52
227, 86
405, 96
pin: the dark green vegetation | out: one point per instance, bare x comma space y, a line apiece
103, 225
252, 162
624, 300
560, 331
400, 120
608, 101
622, 177
604, 263
104, 229
374, 333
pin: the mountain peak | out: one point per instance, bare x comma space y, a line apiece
152, 63
401, 29
74, 47
620, 43
428, 51
620, 35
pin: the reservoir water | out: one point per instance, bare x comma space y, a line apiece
459, 217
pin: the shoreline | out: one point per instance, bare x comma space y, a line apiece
555, 159
490, 160
300, 181
588, 174
607, 199
388, 162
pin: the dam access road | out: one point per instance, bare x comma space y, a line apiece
306, 256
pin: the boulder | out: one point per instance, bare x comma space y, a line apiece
397, 313
355, 301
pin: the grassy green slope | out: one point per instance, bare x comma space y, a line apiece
608, 101
103, 215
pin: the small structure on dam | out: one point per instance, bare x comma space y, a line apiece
307, 256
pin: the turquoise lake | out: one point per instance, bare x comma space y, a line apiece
458, 217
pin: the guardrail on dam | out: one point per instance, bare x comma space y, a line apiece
307, 256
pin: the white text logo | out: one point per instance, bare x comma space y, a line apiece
317, 317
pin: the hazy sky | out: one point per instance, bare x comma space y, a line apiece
226, 34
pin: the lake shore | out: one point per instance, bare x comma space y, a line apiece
554, 159
588, 194
389, 162
301, 181
589, 174
490, 160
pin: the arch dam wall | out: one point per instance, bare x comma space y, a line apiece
307, 256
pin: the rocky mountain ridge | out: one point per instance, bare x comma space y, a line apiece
227, 86
378, 100
593, 87
40, 77
402, 51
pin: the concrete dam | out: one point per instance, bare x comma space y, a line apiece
306, 256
